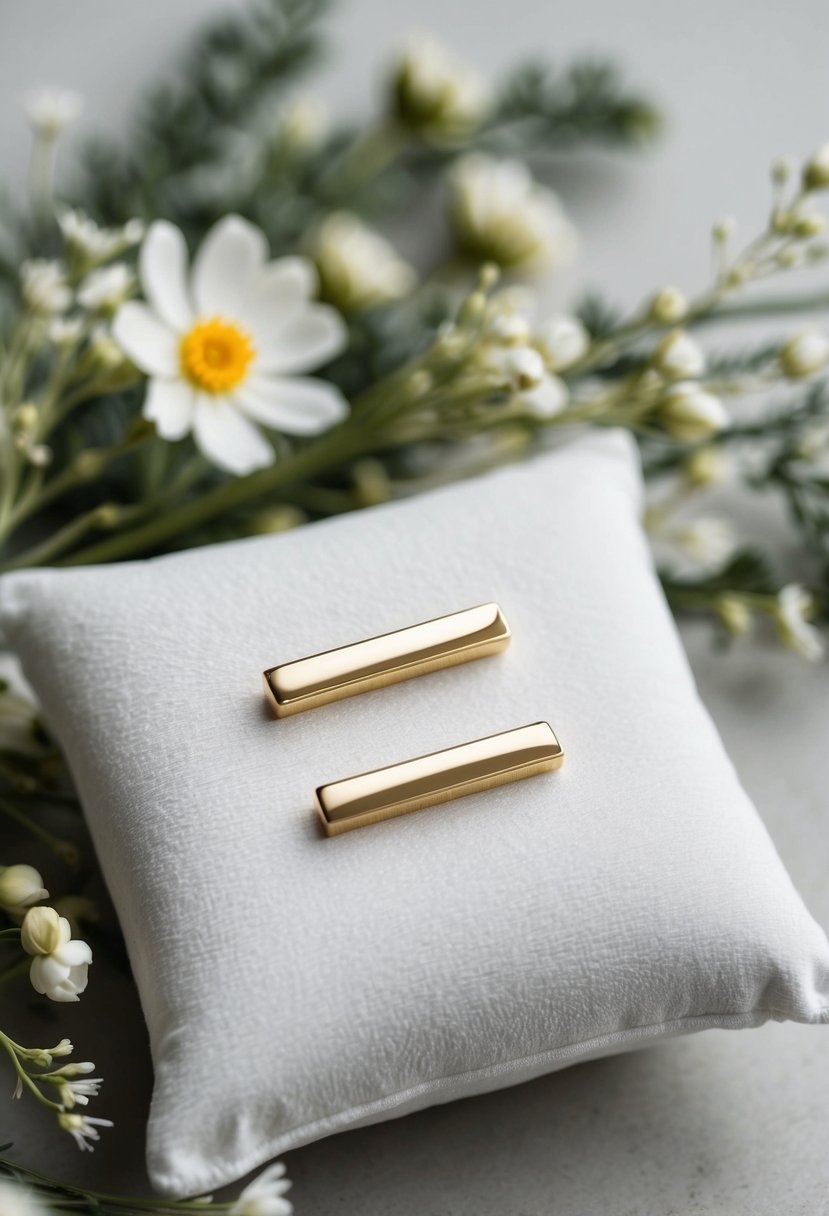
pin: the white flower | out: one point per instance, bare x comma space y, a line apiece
804, 354
438, 94
74, 1088
20, 887
59, 966
678, 357
709, 540
92, 244
515, 366
668, 306
816, 172
358, 267
562, 340
17, 1200
223, 346
499, 213
265, 1195
82, 1128
51, 110
303, 124
794, 606
689, 414
104, 290
44, 287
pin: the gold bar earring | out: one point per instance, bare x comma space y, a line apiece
446, 641
441, 776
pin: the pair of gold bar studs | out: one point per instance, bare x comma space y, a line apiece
474, 633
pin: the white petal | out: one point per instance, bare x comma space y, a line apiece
73, 954
65, 992
163, 264
228, 260
146, 340
228, 438
169, 404
297, 405
46, 972
278, 293
311, 338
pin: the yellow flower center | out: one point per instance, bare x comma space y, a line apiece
215, 355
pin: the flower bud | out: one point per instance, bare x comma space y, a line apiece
707, 466
723, 229
689, 414
816, 171
20, 887
303, 125
562, 341
678, 357
807, 226
358, 268
668, 306
435, 93
804, 354
500, 214
782, 168
40, 932
735, 615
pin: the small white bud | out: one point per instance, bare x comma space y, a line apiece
804, 354
723, 229
735, 615
303, 124
51, 111
678, 357
707, 466
690, 414
562, 340
816, 170
668, 306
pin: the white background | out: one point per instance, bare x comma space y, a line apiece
733, 1123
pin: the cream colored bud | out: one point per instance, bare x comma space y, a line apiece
690, 415
782, 168
816, 170
807, 226
735, 615
26, 416
724, 229
500, 214
804, 354
562, 341
371, 483
678, 357
358, 267
40, 932
279, 519
20, 887
40, 455
668, 306
303, 125
437, 94
707, 466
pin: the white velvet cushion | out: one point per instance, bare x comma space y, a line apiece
295, 985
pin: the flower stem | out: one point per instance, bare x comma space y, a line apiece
11, 1048
63, 849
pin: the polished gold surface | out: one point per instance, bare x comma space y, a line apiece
438, 777
387, 659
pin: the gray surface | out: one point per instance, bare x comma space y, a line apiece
718, 1123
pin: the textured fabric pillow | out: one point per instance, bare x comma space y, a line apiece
296, 985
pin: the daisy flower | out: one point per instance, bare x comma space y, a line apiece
226, 344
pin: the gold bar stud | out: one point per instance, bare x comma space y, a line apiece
446, 641
438, 777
